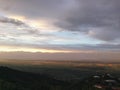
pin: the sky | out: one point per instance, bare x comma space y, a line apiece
60, 29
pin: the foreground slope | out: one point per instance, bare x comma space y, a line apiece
11, 79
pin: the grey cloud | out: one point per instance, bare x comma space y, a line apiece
103, 15
27, 30
12, 21
83, 47
11, 36
35, 8
106, 34
73, 15
77, 47
109, 47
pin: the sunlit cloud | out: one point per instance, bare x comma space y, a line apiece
32, 50
21, 18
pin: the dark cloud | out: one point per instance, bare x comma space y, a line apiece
107, 34
101, 17
11, 21
99, 47
35, 8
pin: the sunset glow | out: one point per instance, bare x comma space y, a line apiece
61, 26
33, 50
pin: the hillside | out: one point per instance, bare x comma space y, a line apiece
11, 79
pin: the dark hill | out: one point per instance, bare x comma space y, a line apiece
11, 79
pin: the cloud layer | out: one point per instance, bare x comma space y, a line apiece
98, 19
70, 25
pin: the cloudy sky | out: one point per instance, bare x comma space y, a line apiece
60, 29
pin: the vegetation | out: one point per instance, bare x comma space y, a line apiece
54, 76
